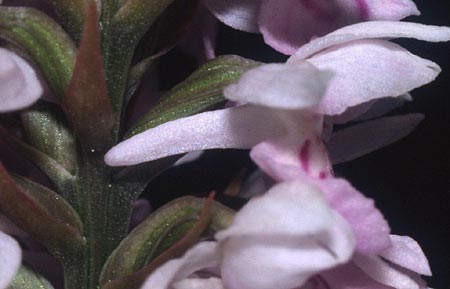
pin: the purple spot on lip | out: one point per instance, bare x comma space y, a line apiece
363, 9
304, 155
323, 175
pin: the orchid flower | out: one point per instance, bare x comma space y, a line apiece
262, 250
10, 259
288, 24
19, 84
364, 69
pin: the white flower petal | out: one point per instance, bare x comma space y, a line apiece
406, 253
238, 14
10, 259
286, 86
370, 69
19, 85
203, 255
374, 29
237, 127
197, 283
282, 238
360, 139
381, 272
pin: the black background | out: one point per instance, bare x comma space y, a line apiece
409, 180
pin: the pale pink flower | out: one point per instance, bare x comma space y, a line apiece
288, 24
10, 259
277, 240
19, 85
364, 69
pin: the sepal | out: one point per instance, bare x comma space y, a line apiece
43, 40
201, 91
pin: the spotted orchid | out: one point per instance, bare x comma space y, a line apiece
286, 25
262, 250
364, 68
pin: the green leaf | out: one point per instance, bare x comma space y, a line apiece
62, 179
164, 229
86, 103
46, 129
27, 279
29, 213
199, 92
51, 202
43, 41
167, 29
71, 13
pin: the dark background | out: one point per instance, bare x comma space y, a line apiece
409, 180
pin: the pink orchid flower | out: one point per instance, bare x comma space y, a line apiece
288, 24
364, 68
10, 257
19, 85
287, 238
277, 240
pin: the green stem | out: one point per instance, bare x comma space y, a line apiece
105, 212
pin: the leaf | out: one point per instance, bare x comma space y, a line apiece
86, 102
163, 230
26, 211
27, 279
47, 131
71, 13
165, 31
199, 92
136, 16
62, 179
43, 41
51, 202
134, 179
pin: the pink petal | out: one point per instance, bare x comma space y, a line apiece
282, 238
203, 255
241, 15
374, 29
406, 253
381, 272
19, 84
197, 283
370, 69
390, 9
287, 25
350, 276
300, 152
237, 127
10, 259
141, 210
360, 139
371, 109
368, 224
285, 86
384, 106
